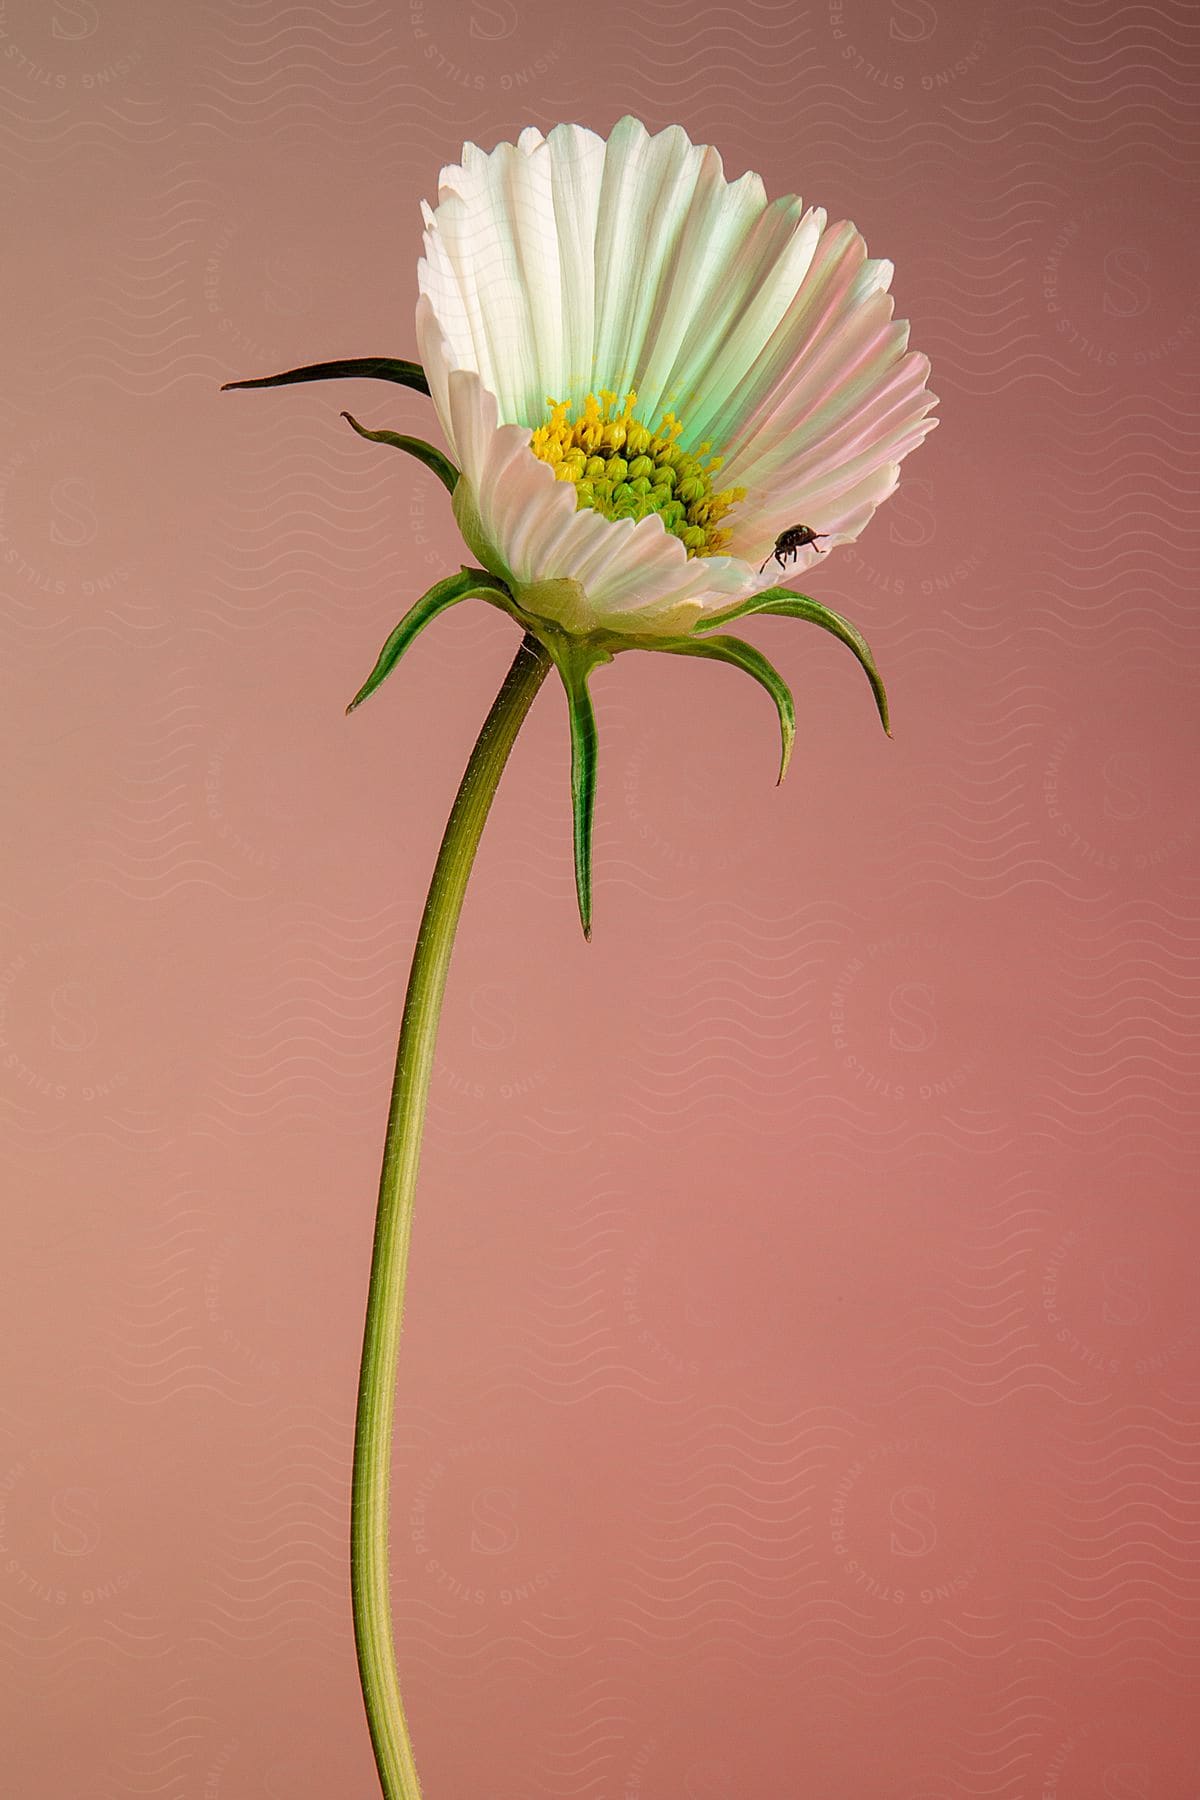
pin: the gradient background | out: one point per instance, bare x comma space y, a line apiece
801, 1381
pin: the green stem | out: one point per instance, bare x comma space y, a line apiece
369, 1569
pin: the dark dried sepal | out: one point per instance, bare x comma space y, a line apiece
377, 368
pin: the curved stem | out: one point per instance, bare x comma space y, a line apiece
369, 1568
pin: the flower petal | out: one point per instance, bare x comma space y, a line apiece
740, 269
577, 159
493, 261
834, 389
644, 202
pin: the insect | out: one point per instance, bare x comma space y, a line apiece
791, 542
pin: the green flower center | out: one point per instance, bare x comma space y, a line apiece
623, 470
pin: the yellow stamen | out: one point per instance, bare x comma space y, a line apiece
625, 471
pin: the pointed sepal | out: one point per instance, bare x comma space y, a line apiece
433, 458
584, 743
441, 595
745, 656
786, 603
379, 368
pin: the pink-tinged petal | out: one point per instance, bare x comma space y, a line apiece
827, 298
853, 506
892, 411
855, 357
845, 514
788, 482
852, 358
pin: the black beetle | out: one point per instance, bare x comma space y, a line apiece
789, 543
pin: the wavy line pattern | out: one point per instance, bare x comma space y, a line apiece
1117, 1520
800, 1373
1119, 1056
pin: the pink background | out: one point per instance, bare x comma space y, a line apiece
800, 1391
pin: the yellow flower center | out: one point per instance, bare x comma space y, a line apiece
624, 471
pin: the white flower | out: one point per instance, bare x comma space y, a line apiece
654, 382
630, 271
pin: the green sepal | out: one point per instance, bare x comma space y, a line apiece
584, 747
433, 459
574, 656
786, 603
441, 595
745, 656
380, 368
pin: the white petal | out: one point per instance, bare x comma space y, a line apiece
644, 199
577, 172
492, 274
